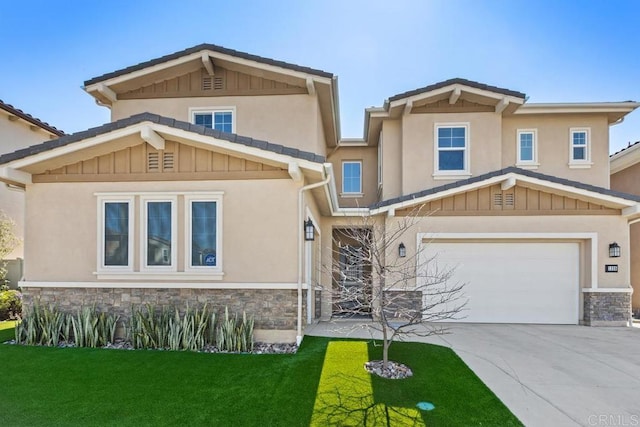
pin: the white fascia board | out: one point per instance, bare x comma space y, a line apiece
591, 107
508, 178
75, 146
198, 56
631, 210
624, 159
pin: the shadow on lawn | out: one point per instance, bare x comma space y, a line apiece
346, 392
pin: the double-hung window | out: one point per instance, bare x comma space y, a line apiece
352, 178
159, 233
451, 149
116, 234
527, 149
219, 119
203, 215
579, 147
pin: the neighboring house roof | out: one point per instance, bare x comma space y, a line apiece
29, 118
470, 83
624, 158
501, 172
212, 47
155, 118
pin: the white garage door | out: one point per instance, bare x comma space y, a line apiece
513, 282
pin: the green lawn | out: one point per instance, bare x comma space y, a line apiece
322, 382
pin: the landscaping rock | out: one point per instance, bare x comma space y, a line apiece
394, 371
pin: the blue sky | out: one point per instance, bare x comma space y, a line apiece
554, 51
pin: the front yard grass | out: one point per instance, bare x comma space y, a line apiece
79, 386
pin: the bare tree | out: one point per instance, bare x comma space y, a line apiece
405, 294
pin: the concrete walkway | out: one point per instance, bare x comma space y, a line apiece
547, 375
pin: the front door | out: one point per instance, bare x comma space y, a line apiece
352, 282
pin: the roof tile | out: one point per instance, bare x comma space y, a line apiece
465, 82
29, 118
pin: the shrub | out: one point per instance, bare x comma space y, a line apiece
10, 305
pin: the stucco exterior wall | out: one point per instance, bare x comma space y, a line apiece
62, 224
553, 132
628, 181
369, 158
418, 151
290, 120
15, 135
391, 159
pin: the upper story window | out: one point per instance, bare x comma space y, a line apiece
527, 148
352, 178
451, 150
579, 148
219, 119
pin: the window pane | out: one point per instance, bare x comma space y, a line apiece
579, 138
351, 178
116, 234
579, 153
159, 233
203, 234
204, 119
526, 154
451, 160
223, 121
451, 137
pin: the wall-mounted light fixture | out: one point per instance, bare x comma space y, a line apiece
402, 250
309, 232
614, 250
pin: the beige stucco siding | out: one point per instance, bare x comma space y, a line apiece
418, 150
391, 159
369, 158
290, 120
62, 223
553, 132
15, 135
628, 181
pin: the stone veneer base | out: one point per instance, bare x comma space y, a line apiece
274, 310
607, 308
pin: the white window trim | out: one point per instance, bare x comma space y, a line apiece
102, 200
448, 174
527, 164
188, 200
221, 109
351, 193
144, 268
580, 164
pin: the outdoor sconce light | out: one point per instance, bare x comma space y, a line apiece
308, 230
402, 250
614, 250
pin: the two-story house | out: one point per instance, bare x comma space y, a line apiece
215, 160
18, 130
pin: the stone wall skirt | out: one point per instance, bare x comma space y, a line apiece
607, 308
272, 309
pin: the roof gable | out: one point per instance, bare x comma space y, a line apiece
510, 177
461, 82
625, 158
15, 112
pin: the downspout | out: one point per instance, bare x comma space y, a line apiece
301, 251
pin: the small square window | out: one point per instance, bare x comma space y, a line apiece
352, 177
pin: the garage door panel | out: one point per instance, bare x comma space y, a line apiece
513, 282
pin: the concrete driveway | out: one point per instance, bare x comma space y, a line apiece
547, 375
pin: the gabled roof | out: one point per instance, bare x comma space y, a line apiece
155, 118
624, 158
500, 173
29, 118
465, 82
211, 47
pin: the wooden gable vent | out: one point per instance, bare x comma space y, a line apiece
508, 199
153, 161
167, 161
212, 83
